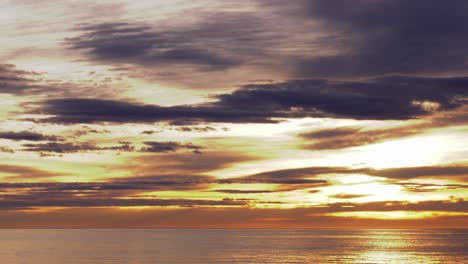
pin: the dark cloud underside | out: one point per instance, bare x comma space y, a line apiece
27, 135
396, 97
169, 146
389, 37
17, 81
208, 45
310, 174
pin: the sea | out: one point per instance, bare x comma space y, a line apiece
144, 246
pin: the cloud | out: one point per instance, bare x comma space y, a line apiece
336, 39
430, 187
150, 132
123, 146
287, 180
27, 135
80, 202
51, 148
141, 44
312, 177
114, 192
56, 147
346, 137
131, 192
348, 196
135, 183
396, 97
310, 174
195, 129
388, 206
38, 85
456, 170
354, 136
182, 163
97, 110
230, 191
85, 130
136, 190
6, 150
16, 81
21, 173
388, 37
169, 146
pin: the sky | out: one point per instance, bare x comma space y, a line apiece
234, 114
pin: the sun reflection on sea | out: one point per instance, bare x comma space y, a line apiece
384, 246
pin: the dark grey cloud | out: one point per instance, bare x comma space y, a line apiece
455, 170
134, 184
207, 44
312, 174
168, 146
17, 81
310, 178
336, 39
150, 132
123, 146
36, 84
108, 193
330, 133
287, 180
51, 148
85, 130
298, 176
264, 179
57, 147
80, 110
195, 129
28, 203
9, 72
388, 37
396, 97
231, 191
386, 43
346, 137
27, 135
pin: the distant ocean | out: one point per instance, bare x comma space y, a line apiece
56, 246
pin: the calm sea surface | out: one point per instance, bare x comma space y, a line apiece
233, 246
